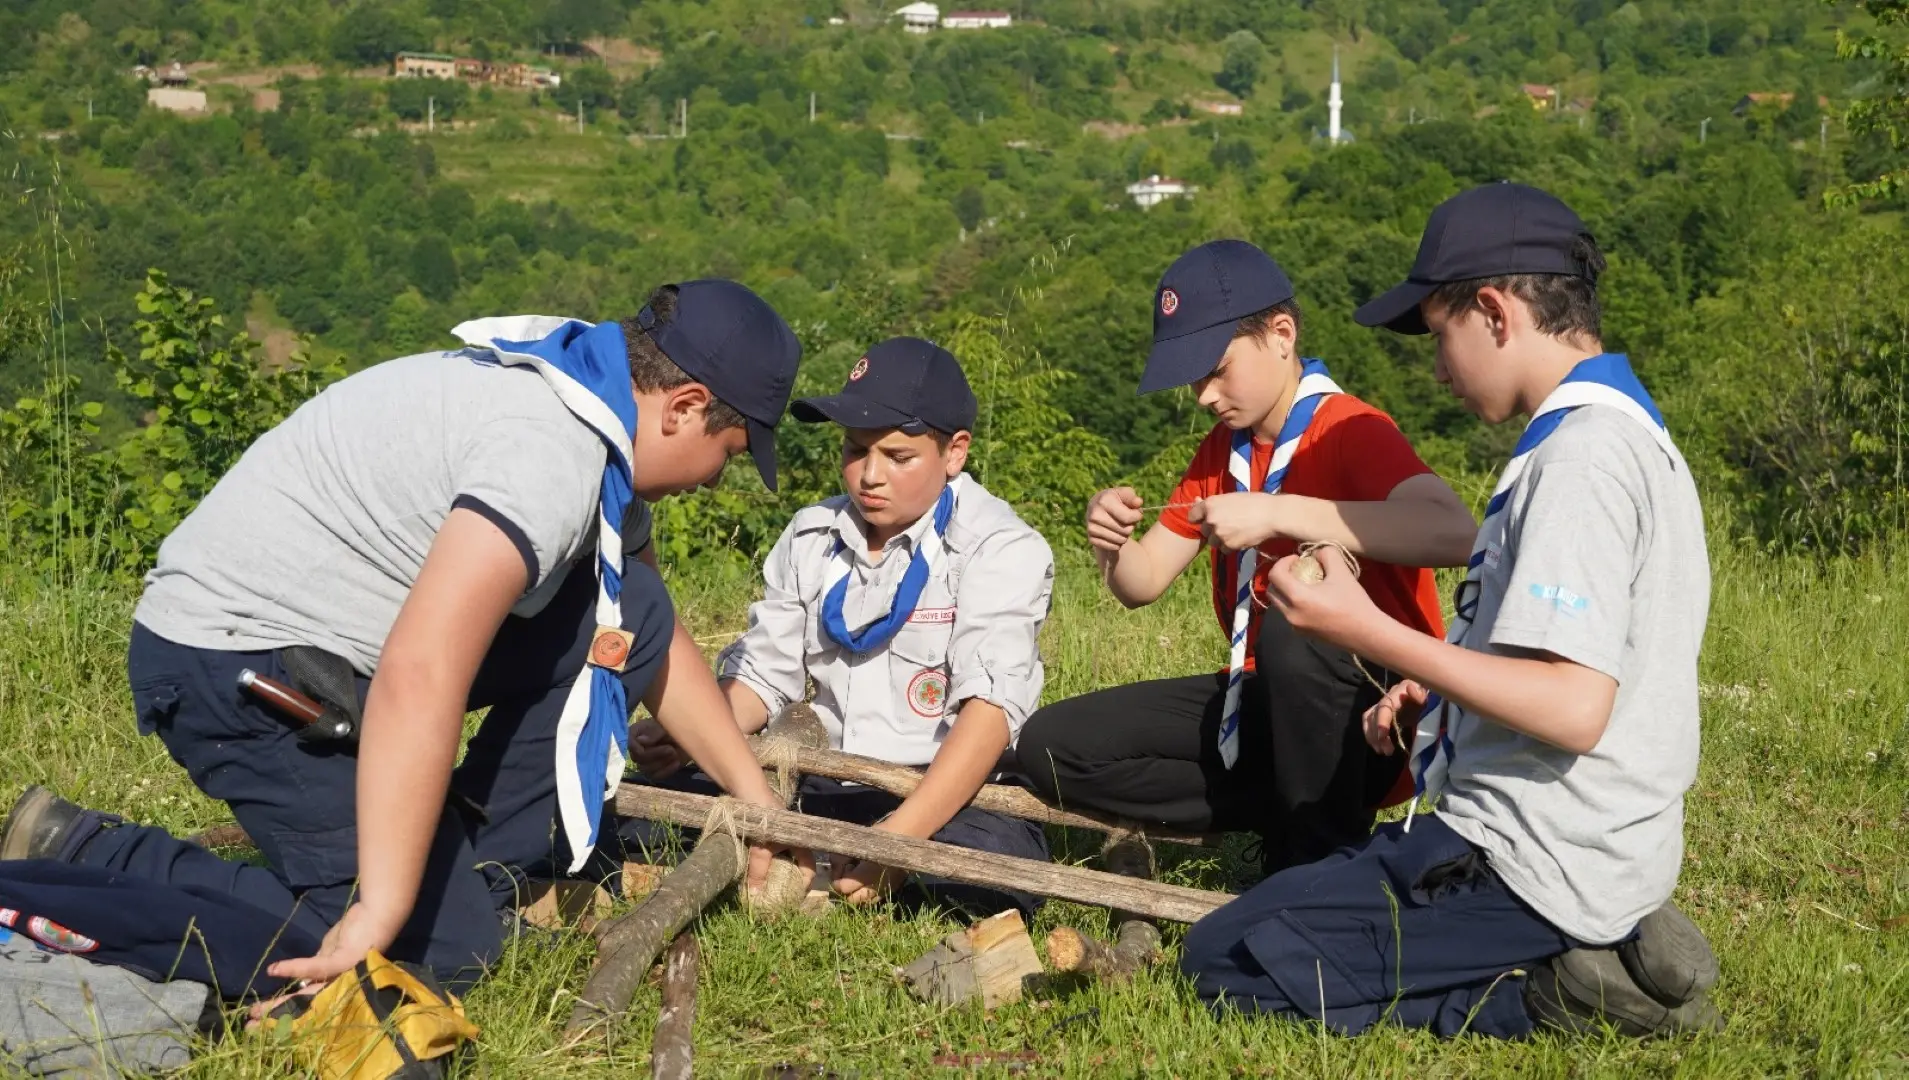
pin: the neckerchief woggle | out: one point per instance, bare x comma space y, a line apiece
1314, 387
589, 369
875, 634
1606, 380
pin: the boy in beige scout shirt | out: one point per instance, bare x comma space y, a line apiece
914, 602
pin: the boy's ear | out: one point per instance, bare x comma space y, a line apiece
957, 456
1495, 306
683, 404
1283, 330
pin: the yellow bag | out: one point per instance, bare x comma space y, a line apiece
381, 1021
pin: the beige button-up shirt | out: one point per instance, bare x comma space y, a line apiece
974, 633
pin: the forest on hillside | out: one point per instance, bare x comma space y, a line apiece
965, 184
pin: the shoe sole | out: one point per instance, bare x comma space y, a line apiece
31, 806
1669, 959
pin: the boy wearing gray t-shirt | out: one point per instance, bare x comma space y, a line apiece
1558, 721
433, 535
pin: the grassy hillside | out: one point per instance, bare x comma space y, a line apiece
1797, 867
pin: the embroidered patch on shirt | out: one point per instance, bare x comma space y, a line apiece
1562, 600
8, 916
1493, 554
928, 692
933, 615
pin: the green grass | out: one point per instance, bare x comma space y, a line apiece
1795, 868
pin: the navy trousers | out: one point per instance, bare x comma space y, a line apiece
297, 799
977, 830
1414, 928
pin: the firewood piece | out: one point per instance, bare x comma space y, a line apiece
223, 836
1081, 885
566, 902
641, 879
989, 960
1137, 947
1000, 798
672, 1051
627, 946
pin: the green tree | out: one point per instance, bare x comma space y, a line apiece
970, 207
1240, 69
434, 267
372, 33
1885, 112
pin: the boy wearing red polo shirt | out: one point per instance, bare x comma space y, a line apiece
1273, 743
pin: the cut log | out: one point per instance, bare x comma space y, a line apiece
627, 946
672, 1051
1000, 798
1083, 886
1138, 946
563, 903
989, 961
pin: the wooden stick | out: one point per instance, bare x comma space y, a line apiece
1000, 798
672, 1052
627, 946
1138, 946
926, 856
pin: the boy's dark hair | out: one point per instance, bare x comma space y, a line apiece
1561, 304
651, 370
1259, 322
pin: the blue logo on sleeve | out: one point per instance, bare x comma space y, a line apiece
1562, 600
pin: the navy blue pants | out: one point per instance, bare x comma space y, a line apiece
1414, 928
977, 830
297, 800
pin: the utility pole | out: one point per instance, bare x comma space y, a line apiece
579, 114
430, 114
811, 106
1822, 134
89, 105
1703, 131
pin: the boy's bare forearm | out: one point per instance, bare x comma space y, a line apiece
961, 766
685, 699
1404, 531
407, 746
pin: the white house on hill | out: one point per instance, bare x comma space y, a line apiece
977, 20
1157, 189
920, 18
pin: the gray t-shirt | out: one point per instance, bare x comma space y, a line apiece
316, 536
1603, 564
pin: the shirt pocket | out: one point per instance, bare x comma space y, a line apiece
918, 670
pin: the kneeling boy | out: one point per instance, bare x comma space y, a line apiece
1559, 722
436, 534
914, 601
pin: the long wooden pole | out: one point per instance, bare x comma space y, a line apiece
672, 1052
1074, 883
1000, 798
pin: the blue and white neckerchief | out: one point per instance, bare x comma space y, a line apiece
1314, 387
589, 369
1605, 380
875, 633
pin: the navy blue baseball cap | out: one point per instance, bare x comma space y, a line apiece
904, 383
1199, 304
1488, 231
731, 340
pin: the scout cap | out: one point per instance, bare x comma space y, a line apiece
1489, 231
1199, 304
730, 340
904, 383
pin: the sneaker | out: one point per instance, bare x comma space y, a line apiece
37, 825
1584, 990
1669, 958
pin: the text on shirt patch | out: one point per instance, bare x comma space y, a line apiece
928, 692
933, 615
1492, 555
1561, 599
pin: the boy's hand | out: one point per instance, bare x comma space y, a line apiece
1111, 518
1335, 609
1396, 713
864, 882
360, 931
761, 855
1237, 520
654, 752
